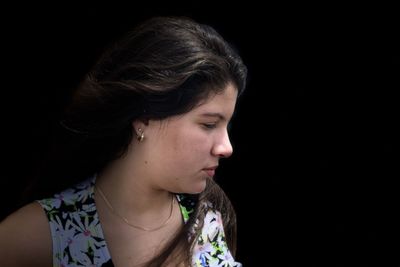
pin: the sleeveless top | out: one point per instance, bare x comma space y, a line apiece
78, 238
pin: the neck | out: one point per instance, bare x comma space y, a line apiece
131, 196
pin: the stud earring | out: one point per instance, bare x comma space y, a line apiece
140, 135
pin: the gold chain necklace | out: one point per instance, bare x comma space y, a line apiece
126, 220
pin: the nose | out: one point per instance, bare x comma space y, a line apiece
223, 147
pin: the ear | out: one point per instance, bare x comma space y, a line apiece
139, 124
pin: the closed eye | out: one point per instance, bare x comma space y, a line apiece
210, 125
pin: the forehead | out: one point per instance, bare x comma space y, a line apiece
223, 102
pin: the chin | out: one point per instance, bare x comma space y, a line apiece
200, 187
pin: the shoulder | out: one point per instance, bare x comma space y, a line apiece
25, 238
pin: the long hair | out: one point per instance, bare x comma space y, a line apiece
164, 67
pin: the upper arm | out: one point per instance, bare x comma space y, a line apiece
25, 238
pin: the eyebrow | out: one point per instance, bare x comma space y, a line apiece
213, 114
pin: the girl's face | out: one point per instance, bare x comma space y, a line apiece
183, 152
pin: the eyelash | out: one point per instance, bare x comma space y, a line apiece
210, 126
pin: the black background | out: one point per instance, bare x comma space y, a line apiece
314, 174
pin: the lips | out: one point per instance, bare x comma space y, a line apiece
210, 171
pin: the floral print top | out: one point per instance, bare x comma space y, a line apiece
78, 238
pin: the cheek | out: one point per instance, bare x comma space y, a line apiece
189, 147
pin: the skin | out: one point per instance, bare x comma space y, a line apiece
25, 238
172, 158
182, 147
